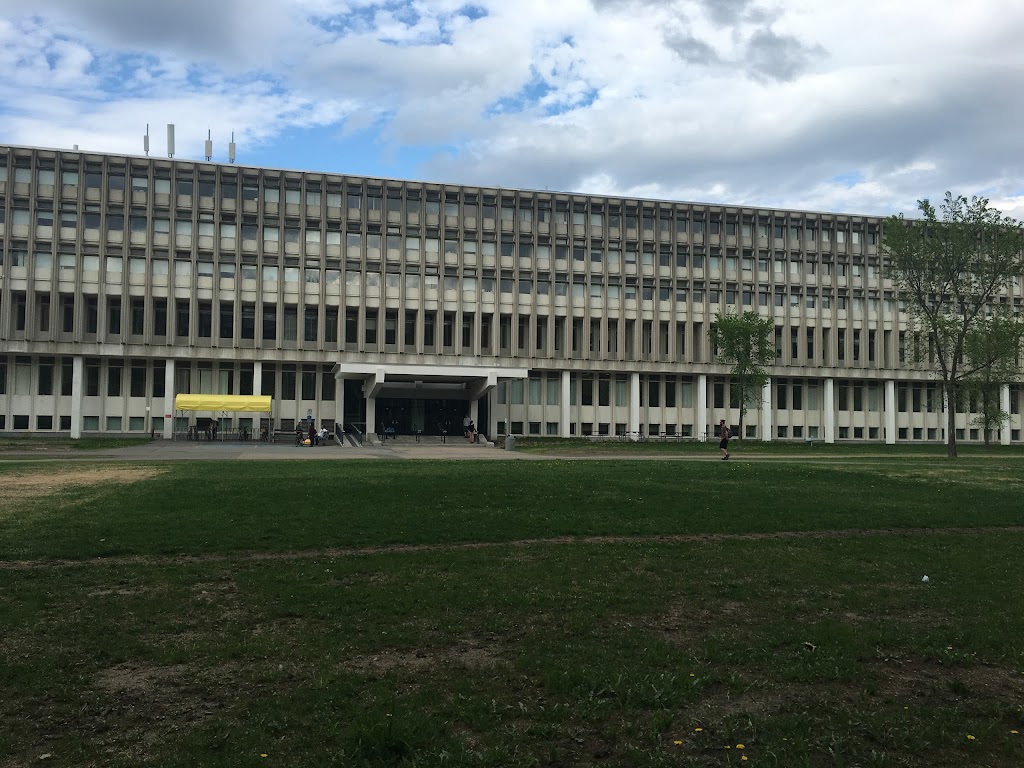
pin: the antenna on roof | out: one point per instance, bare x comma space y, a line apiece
170, 140
231, 148
209, 146
145, 141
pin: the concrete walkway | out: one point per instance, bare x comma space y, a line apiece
184, 450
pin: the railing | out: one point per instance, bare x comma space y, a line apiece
355, 431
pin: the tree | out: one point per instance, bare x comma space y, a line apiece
747, 342
985, 352
951, 271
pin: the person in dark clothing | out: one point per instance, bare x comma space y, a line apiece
723, 443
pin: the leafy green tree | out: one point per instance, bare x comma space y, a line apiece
952, 269
985, 352
747, 342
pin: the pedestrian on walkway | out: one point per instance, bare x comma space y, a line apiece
723, 443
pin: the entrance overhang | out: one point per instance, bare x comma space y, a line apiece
449, 382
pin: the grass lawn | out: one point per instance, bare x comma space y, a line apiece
56, 444
819, 449
532, 613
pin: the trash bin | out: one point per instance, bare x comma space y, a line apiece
510, 443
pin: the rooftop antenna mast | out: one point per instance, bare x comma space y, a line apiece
170, 140
209, 146
231, 148
145, 141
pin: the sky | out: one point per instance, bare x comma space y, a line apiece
860, 106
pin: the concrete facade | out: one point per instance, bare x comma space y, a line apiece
126, 280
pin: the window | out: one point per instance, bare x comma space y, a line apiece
67, 309
181, 317
137, 379
44, 384
287, 382
137, 315
248, 321
310, 322
114, 315
308, 383
370, 328
291, 324
204, 320
227, 320
114, 376
269, 322
331, 325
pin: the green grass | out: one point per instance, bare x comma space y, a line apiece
32, 443
753, 448
107, 443
205, 616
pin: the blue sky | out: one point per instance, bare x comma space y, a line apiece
862, 106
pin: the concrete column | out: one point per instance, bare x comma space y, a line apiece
767, 414
566, 406
830, 410
257, 377
492, 402
1004, 405
945, 416
339, 401
169, 400
474, 412
890, 412
702, 408
371, 417
77, 392
634, 406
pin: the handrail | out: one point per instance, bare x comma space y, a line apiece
356, 433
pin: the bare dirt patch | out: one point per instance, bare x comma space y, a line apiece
470, 654
16, 488
136, 677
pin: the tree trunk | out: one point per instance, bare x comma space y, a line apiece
951, 420
985, 406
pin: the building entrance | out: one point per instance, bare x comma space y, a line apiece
429, 417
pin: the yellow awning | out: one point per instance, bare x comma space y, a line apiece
260, 403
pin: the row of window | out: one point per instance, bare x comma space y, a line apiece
411, 202
141, 378
672, 391
356, 245
680, 291
370, 329
18, 253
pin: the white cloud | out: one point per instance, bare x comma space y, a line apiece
761, 102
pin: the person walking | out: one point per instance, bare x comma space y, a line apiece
723, 443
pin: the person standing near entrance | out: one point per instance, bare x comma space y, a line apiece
723, 443
466, 421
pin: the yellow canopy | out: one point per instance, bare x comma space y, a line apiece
260, 403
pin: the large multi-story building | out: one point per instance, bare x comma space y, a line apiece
375, 302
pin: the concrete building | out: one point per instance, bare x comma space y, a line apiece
375, 302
